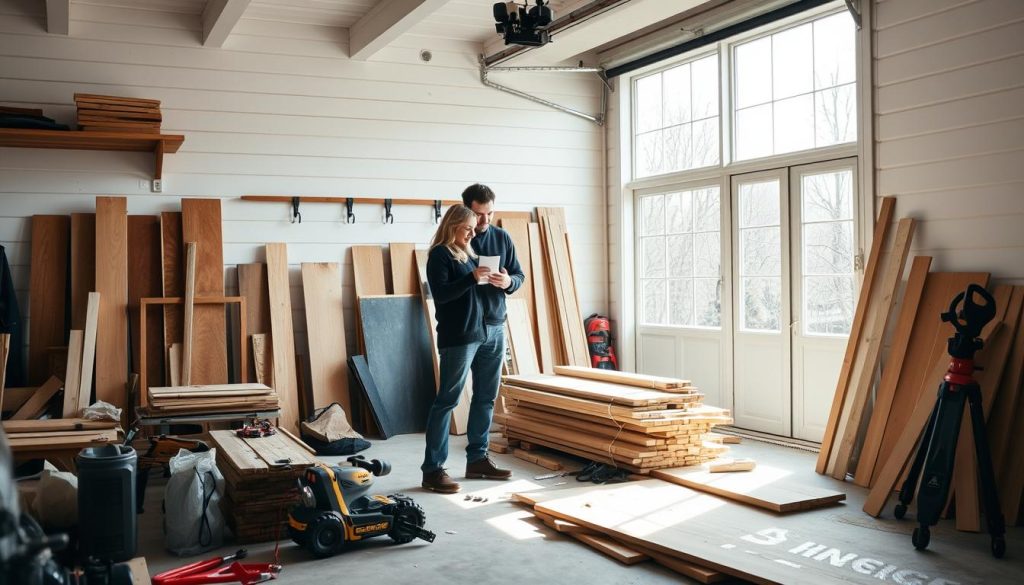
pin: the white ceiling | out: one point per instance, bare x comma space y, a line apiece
460, 20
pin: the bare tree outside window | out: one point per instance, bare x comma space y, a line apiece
828, 249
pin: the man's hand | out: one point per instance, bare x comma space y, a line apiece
500, 279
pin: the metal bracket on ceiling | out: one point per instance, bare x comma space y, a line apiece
596, 118
853, 6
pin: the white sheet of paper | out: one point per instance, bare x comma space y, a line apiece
490, 262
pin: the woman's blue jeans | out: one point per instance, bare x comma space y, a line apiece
484, 359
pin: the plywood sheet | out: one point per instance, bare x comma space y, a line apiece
47, 288
83, 265
172, 259
325, 327
750, 543
201, 223
398, 353
146, 281
764, 486
839, 397
368, 264
404, 278
285, 381
112, 284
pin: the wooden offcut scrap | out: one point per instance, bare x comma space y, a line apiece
727, 465
260, 482
537, 459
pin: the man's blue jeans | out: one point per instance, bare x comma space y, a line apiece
484, 359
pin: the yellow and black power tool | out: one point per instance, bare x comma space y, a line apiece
334, 509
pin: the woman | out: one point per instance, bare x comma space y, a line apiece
464, 342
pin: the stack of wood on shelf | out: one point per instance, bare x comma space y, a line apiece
260, 481
635, 422
212, 399
877, 444
108, 113
58, 440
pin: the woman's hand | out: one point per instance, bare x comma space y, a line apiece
481, 273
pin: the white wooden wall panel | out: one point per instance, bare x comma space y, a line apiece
281, 110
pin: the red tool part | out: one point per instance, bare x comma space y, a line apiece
212, 571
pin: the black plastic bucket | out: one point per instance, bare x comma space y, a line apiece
107, 525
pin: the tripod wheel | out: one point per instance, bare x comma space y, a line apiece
900, 511
921, 537
998, 546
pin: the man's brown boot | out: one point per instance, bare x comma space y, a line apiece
486, 469
440, 482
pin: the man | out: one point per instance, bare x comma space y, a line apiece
483, 355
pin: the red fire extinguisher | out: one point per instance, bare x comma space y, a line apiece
599, 341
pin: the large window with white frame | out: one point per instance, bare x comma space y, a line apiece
747, 217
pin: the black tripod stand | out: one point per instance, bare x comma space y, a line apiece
937, 452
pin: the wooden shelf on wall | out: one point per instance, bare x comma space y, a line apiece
158, 144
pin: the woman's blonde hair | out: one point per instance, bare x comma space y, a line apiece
457, 216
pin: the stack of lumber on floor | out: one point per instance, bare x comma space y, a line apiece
875, 442
212, 399
260, 482
58, 440
621, 422
108, 113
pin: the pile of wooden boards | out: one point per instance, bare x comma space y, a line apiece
639, 423
877, 442
260, 482
212, 399
58, 440
108, 113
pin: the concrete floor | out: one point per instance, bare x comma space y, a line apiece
498, 541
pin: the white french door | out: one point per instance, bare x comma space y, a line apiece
749, 290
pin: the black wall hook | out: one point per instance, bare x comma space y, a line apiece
437, 211
349, 216
388, 218
295, 210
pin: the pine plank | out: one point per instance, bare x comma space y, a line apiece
252, 284
368, 272
404, 279
89, 350
279, 294
73, 373
993, 359
546, 331
560, 269
63, 424
500, 216
603, 392
201, 223
47, 286
521, 337
765, 487
612, 548
172, 259
174, 361
519, 230
839, 398
627, 378
1002, 436
112, 284
927, 346
35, 405
5, 350
325, 328
146, 281
880, 303
891, 371
83, 265
188, 323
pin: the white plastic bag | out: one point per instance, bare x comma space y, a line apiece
193, 521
